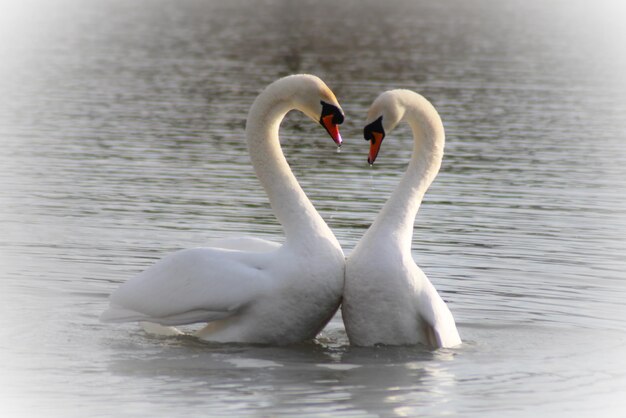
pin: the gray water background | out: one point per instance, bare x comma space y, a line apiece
121, 140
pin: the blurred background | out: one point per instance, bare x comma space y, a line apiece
121, 140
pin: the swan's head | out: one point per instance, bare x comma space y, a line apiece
313, 98
383, 116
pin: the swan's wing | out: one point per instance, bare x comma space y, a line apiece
196, 285
436, 318
244, 244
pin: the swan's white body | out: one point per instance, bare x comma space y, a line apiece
251, 290
387, 298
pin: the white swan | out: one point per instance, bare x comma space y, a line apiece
387, 298
251, 290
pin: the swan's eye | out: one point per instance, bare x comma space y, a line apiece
328, 110
374, 130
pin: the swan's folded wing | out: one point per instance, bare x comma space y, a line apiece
436, 318
196, 285
438, 323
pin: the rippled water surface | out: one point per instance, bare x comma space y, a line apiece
121, 133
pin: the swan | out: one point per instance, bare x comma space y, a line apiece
249, 290
387, 298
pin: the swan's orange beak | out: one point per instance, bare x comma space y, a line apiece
377, 139
332, 128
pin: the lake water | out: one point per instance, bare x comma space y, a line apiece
121, 133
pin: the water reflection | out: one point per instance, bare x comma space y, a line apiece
407, 381
285, 380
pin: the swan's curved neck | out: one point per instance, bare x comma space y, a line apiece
397, 217
295, 212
